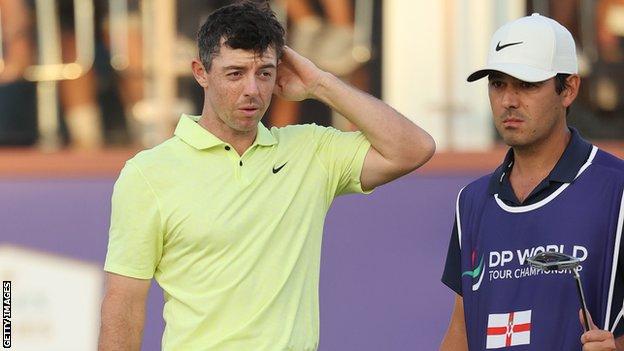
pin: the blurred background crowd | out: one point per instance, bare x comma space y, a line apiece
96, 73
92, 74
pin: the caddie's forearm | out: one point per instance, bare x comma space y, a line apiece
395, 137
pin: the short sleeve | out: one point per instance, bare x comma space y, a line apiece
452, 269
136, 233
342, 155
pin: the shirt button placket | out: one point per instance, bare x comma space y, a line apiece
234, 156
243, 170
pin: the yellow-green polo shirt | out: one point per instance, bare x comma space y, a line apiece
234, 241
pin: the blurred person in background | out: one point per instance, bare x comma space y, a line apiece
109, 106
18, 117
16, 40
78, 97
597, 27
84, 111
608, 90
227, 215
553, 190
327, 40
610, 29
129, 78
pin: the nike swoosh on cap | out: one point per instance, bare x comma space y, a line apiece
500, 47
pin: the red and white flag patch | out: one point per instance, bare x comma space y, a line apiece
508, 329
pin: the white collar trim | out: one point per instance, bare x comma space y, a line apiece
527, 208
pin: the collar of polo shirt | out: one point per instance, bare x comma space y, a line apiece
198, 137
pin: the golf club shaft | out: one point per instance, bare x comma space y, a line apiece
579, 288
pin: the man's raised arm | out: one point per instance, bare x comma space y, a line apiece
398, 146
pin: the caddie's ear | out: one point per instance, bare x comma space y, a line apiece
571, 90
200, 73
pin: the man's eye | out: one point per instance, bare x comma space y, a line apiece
234, 74
527, 85
496, 83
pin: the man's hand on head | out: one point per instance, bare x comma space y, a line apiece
297, 77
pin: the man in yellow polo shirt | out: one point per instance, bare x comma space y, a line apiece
227, 215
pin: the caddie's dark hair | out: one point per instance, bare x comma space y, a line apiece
561, 84
247, 25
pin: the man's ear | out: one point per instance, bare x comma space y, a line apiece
573, 83
200, 73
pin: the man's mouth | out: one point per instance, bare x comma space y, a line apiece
512, 122
249, 110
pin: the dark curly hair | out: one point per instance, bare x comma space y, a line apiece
244, 25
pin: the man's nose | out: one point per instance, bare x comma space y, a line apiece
251, 86
510, 98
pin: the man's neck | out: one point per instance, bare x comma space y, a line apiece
533, 164
240, 141
542, 157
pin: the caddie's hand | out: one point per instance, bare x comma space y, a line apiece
596, 339
297, 77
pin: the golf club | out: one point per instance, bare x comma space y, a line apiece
555, 261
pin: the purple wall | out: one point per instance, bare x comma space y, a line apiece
382, 254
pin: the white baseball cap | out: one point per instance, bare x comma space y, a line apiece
532, 48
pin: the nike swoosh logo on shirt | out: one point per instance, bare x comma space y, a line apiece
275, 170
